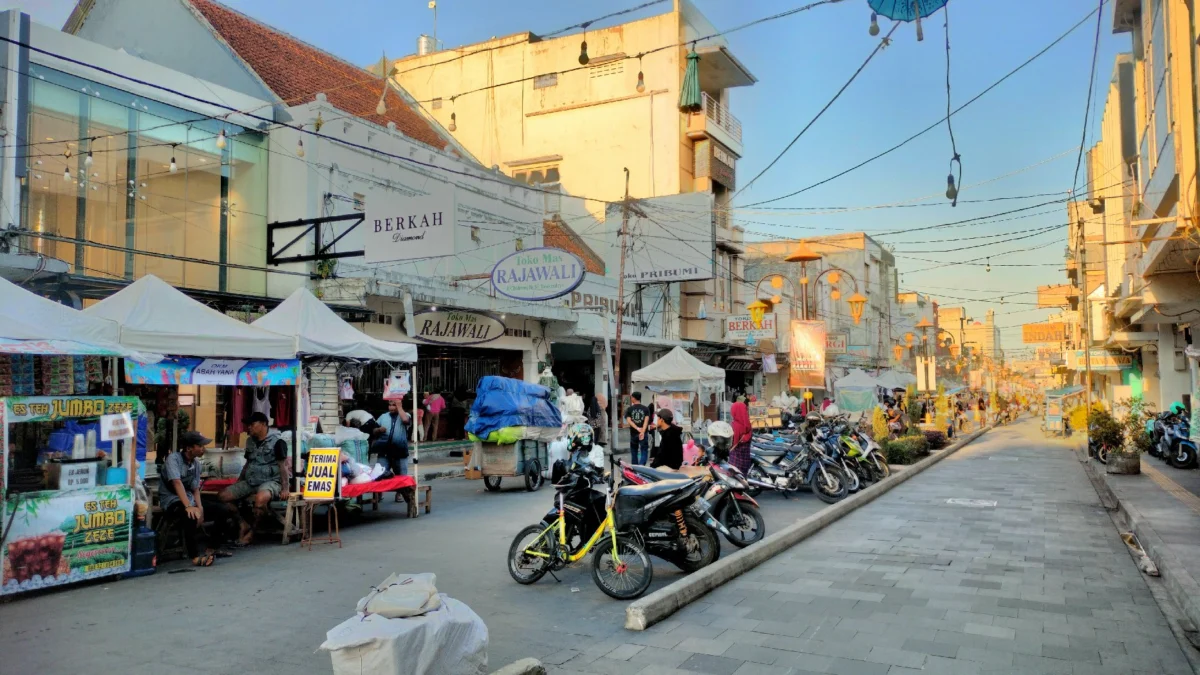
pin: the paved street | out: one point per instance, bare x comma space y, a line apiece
1039, 582
267, 609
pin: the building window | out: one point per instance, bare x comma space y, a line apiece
547, 80
614, 67
212, 207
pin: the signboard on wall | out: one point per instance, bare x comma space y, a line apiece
672, 238
836, 343
455, 327
400, 227
740, 326
537, 274
806, 362
1033, 333
1101, 360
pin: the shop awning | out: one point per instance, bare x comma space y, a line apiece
155, 316
318, 331
240, 372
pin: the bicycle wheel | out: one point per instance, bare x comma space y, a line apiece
525, 568
627, 578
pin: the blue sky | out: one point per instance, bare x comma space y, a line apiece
800, 62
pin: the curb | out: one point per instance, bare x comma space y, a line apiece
455, 472
522, 667
1183, 588
646, 611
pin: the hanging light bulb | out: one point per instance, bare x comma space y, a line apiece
453, 126
66, 174
951, 190
989, 265
835, 294
382, 107
174, 167
300, 147
641, 85
583, 56
221, 140
874, 29
87, 161
131, 194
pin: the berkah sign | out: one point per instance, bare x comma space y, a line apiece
452, 327
537, 274
399, 227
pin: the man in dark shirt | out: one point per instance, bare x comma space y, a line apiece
670, 442
638, 418
180, 499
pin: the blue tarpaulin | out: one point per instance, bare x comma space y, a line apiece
504, 402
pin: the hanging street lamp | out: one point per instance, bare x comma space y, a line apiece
757, 310
857, 302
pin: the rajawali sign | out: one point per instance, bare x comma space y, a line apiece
453, 327
399, 227
1033, 333
537, 274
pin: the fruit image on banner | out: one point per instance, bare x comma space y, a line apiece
64, 537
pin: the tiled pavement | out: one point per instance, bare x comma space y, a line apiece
1038, 583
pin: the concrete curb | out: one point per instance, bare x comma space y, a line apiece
522, 667
452, 472
1181, 585
648, 610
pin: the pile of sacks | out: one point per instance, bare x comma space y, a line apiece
405, 627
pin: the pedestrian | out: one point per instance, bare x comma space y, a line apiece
180, 499
743, 433
981, 413
638, 419
600, 421
825, 403
390, 442
670, 441
266, 474
434, 405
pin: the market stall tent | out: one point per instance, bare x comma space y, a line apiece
894, 379
155, 316
319, 331
855, 392
680, 371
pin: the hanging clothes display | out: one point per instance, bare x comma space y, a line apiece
260, 401
283, 402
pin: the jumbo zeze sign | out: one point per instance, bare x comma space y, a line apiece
452, 327
398, 227
537, 274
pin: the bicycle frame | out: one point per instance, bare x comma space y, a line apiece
608, 526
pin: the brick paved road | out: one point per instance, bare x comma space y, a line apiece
1038, 583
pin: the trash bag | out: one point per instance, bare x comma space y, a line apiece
401, 595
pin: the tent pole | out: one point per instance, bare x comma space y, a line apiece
296, 427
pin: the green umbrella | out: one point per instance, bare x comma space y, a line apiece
689, 94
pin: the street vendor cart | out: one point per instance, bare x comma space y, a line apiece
1059, 403
511, 424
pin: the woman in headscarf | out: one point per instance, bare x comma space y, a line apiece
742, 433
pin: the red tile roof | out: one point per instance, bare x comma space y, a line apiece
297, 72
557, 234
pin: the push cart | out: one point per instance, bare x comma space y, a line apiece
526, 458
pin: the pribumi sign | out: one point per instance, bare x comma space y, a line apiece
453, 327
537, 274
399, 227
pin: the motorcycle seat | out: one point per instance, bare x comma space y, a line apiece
658, 474
651, 490
768, 452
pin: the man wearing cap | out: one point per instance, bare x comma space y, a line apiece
670, 443
179, 497
266, 474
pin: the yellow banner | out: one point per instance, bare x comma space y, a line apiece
321, 473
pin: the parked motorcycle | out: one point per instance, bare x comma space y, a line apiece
1181, 451
788, 467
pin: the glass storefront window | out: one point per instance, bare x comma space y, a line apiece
147, 217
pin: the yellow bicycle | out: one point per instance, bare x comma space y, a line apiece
621, 567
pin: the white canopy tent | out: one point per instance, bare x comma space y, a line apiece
319, 331
894, 379
155, 316
680, 371
27, 317
856, 391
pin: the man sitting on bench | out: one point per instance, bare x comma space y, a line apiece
180, 499
265, 476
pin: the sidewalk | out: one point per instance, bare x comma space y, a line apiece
1165, 516
1000, 559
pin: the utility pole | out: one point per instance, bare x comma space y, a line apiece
1087, 326
621, 293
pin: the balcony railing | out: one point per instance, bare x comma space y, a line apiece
720, 116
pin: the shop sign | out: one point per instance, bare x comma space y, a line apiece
1033, 333
399, 227
65, 537
453, 327
769, 365
116, 427
742, 364
51, 408
806, 364
859, 351
242, 373
322, 473
673, 238
835, 343
741, 326
1101, 360
537, 274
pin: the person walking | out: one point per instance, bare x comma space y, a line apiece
637, 419
670, 441
743, 433
434, 405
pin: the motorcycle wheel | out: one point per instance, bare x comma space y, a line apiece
491, 483
524, 568
708, 547
1102, 454
755, 473
880, 468
1184, 457
627, 579
830, 485
745, 523
853, 484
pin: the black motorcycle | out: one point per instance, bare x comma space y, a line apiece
670, 518
788, 468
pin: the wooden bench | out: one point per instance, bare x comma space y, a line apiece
409, 495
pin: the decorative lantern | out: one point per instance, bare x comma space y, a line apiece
807, 395
857, 303
898, 352
908, 339
835, 294
776, 299
776, 281
757, 309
